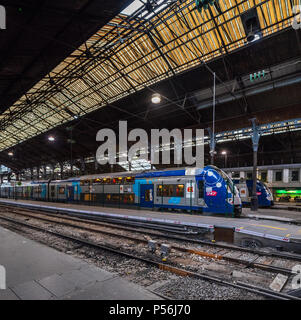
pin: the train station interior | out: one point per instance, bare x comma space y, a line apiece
150, 150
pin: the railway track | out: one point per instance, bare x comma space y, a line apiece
154, 232
76, 223
162, 266
169, 233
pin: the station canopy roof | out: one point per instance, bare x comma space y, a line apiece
139, 47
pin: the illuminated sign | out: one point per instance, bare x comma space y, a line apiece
288, 191
190, 191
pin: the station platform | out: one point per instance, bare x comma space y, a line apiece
277, 214
37, 272
269, 233
288, 206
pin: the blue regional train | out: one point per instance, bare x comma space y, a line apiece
199, 190
264, 194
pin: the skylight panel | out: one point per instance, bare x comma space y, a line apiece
135, 5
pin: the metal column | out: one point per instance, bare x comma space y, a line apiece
212, 145
255, 143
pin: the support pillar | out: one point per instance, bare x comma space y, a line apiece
44, 172
82, 165
212, 145
255, 143
51, 171
270, 176
286, 176
71, 168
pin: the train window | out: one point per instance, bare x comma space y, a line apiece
61, 190
117, 180
129, 180
37, 189
52, 188
201, 189
115, 198
128, 198
97, 181
264, 176
107, 180
180, 190
112, 198
159, 190
85, 182
168, 190
278, 176
295, 175
249, 175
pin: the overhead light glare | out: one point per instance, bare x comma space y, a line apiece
156, 98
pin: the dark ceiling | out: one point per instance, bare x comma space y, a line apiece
40, 34
278, 104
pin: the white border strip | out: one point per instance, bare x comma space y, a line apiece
262, 235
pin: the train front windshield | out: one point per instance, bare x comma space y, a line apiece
228, 180
267, 189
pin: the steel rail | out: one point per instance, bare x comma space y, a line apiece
161, 266
247, 263
102, 220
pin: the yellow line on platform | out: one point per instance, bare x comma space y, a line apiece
265, 226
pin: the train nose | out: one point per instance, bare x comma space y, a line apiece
211, 177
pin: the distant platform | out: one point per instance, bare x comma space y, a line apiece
37, 272
279, 213
288, 206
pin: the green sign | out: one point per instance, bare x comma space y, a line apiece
288, 191
257, 75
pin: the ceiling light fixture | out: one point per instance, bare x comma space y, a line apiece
156, 98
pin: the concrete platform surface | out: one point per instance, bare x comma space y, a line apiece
277, 230
37, 272
280, 214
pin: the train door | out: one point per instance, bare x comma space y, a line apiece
70, 193
147, 195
